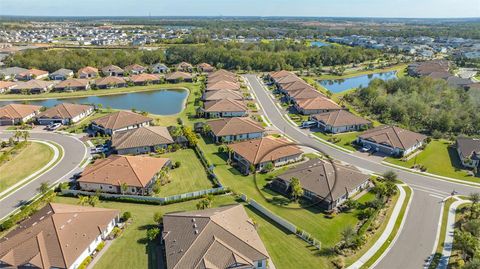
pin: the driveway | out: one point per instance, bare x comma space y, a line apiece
416, 241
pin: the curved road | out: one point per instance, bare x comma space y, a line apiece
417, 238
74, 153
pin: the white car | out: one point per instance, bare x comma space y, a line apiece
308, 124
365, 148
54, 126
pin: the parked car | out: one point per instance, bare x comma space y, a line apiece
308, 124
54, 126
366, 148
99, 149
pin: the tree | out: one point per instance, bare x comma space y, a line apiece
82, 200
206, 129
296, 190
347, 235
152, 234
230, 153
390, 176
17, 135
206, 202
268, 167
123, 187
44, 187
25, 136
158, 218
466, 243
93, 200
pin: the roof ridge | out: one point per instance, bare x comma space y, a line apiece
58, 237
398, 136
134, 171
196, 238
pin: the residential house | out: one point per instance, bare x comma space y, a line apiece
64, 113
184, 67
32, 74
273, 76
323, 183
223, 237
144, 79
110, 82
141, 140
11, 72
306, 93
73, 84
205, 68
222, 94
391, 140
112, 70
32, 86
6, 86
468, 150
316, 105
135, 69
57, 236
12, 114
119, 174
340, 121
87, 72
160, 68
178, 76
61, 74
235, 129
260, 152
212, 79
223, 85
223, 108
120, 121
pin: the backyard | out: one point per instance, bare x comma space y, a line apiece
343, 140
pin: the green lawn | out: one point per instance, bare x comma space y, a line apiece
439, 158
25, 162
189, 177
346, 139
81, 125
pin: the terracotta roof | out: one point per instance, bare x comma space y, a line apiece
223, 85
6, 84
223, 237
317, 103
113, 80
135, 171
184, 65
223, 73
307, 93
265, 149
280, 74
111, 68
338, 118
120, 119
177, 75
288, 79
34, 72
205, 66
73, 82
88, 70
222, 94
33, 84
393, 136
234, 126
141, 137
135, 67
469, 147
55, 236
297, 85
324, 179
17, 111
213, 80
224, 105
65, 111
144, 77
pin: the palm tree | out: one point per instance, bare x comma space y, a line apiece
123, 187
17, 135
82, 200
230, 152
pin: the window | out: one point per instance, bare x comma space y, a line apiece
259, 264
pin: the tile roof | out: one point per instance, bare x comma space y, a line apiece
135, 67
55, 236
33, 72
11, 71
110, 80
223, 237
33, 84
178, 75
320, 102
225, 105
143, 77
306, 93
88, 70
120, 119
222, 94
393, 136
324, 179
65, 111
73, 82
234, 126
111, 68
280, 74
62, 72
265, 149
17, 111
223, 85
338, 118
148, 136
7, 84
135, 171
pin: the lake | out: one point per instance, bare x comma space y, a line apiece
161, 102
318, 44
340, 85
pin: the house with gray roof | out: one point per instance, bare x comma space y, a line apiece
141, 140
61, 74
11, 72
468, 150
340, 121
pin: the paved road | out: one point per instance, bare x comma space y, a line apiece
416, 241
74, 153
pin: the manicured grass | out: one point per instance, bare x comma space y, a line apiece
440, 158
25, 162
152, 87
189, 177
346, 139
399, 68
80, 126
394, 232
441, 239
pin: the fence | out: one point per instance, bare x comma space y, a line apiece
208, 167
284, 223
159, 200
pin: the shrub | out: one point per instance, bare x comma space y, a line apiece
100, 246
116, 232
126, 215
339, 262
85, 262
177, 164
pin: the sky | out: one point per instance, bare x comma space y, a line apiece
310, 8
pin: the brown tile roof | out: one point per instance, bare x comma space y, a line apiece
317, 103
213, 80
265, 149
205, 66
178, 75
288, 79
222, 94
338, 118
324, 179
135, 67
120, 119
135, 171
110, 80
34, 72
17, 111
280, 74
222, 72
297, 85
144, 77
65, 111
223, 85
33, 84
148, 136
223, 237
307, 93
73, 82
234, 126
7, 84
112, 68
88, 70
393, 136
55, 236
225, 105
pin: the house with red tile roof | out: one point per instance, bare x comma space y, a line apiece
17, 113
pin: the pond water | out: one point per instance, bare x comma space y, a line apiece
318, 44
340, 85
161, 102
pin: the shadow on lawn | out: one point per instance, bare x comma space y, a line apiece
454, 159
